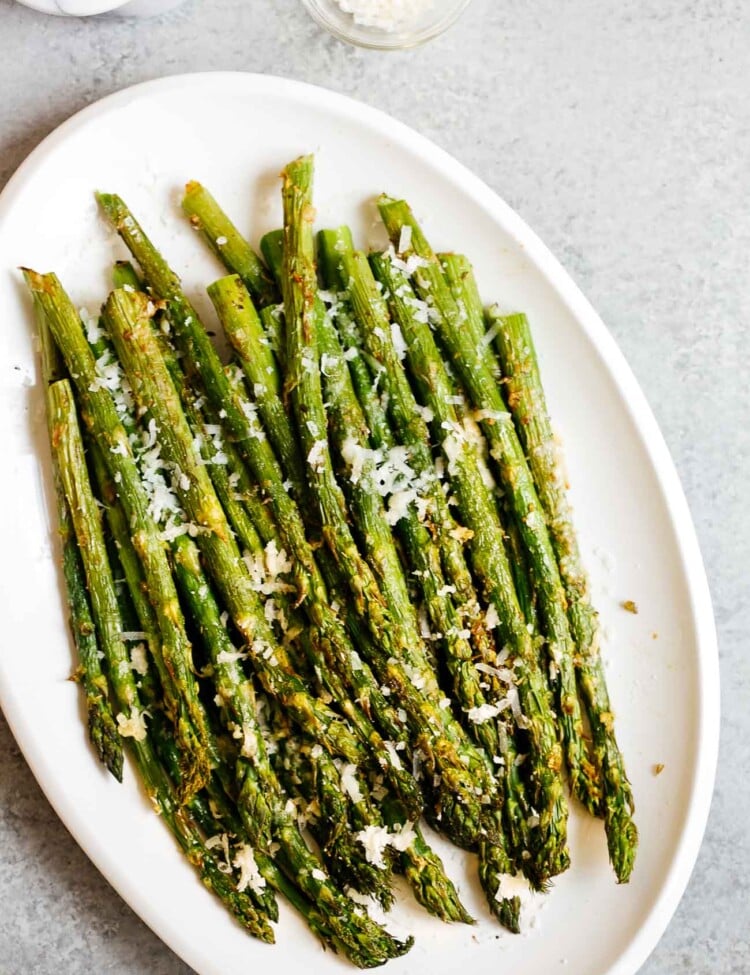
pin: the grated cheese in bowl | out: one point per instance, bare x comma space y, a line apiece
387, 15
386, 24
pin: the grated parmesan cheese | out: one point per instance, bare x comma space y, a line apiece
375, 839
397, 336
134, 726
138, 659
482, 713
349, 782
250, 875
404, 240
317, 455
230, 656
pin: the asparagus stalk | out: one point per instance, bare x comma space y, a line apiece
311, 334
337, 819
347, 269
528, 405
238, 414
490, 563
216, 816
132, 717
459, 276
102, 728
335, 663
257, 793
311, 776
469, 359
235, 691
166, 750
305, 317
237, 699
355, 276
124, 275
227, 243
350, 434
128, 319
348, 424
101, 416
424, 870
201, 359
245, 332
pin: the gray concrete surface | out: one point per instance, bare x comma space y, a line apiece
620, 129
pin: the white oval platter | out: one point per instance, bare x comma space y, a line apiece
234, 132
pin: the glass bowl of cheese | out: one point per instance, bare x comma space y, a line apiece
386, 24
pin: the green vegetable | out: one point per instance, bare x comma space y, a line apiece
227, 243
100, 414
489, 562
128, 319
528, 405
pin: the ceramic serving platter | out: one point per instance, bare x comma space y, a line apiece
234, 132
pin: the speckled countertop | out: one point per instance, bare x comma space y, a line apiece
620, 130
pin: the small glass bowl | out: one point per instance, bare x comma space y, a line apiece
439, 16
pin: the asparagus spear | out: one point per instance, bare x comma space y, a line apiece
244, 510
305, 318
128, 319
132, 717
459, 277
421, 865
200, 357
101, 416
257, 794
166, 750
528, 405
217, 816
227, 243
101, 723
349, 429
469, 359
348, 425
424, 870
347, 269
463, 286
238, 414
124, 275
490, 563
245, 332
354, 275
237, 698
137, 612
235, 691
311, 776
350, 434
